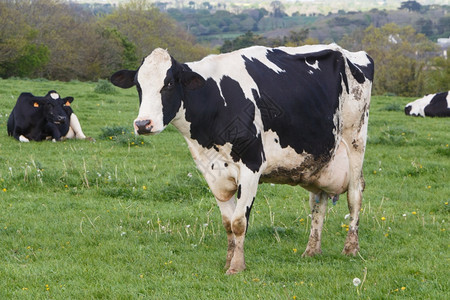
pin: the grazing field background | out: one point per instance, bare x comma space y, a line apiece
129, 217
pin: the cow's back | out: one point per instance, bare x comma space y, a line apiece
26, 121
439, 105
299, 99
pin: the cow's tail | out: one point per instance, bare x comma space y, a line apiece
10, 125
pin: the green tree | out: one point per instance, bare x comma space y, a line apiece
21, 54
246, 40
411, 5
147, 28
53, 39
400, 55
437, 75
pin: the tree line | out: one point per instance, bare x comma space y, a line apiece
407, 63
64, 41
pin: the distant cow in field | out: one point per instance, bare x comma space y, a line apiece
433, 105
296, 116
39, 118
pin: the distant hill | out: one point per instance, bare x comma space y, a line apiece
433, 21
213, 27
213, 22
290, 6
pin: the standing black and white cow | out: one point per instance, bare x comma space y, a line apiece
39, 118
296, 116
433, 105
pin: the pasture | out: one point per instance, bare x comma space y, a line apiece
129, 217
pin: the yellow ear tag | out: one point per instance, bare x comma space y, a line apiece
36, 104
67, 103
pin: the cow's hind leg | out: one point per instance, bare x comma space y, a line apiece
355, 189
76, 126
227, 210
354, 198
318, 205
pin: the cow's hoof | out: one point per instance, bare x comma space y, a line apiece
350, 251
23, 139
311, 252
231, 271
351, 246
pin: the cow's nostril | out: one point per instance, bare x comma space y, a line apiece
143, 126
142, 123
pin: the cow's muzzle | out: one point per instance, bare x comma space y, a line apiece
408, 110
143, 126
60, 120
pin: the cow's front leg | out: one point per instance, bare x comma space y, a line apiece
318, 205
227, 210
245, 196
53, 130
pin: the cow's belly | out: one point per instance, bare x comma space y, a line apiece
285, 166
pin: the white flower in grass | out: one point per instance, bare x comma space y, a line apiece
123, 233
356, 281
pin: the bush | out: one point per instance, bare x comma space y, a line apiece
105, 87
121, 135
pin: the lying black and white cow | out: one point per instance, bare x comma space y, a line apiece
286, 115
39, 118
433, 105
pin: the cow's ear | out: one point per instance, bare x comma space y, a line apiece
67, 101
123, 79
192, 80
38, 102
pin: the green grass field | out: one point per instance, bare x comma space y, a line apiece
131, 218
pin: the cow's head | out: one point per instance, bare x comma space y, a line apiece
162, 83
52, 107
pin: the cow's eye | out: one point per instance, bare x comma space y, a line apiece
168, 86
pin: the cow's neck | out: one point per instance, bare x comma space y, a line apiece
180, 123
